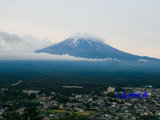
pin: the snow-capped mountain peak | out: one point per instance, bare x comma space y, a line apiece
74, 40
88, 46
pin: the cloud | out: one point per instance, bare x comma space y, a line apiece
86, 36
45, 56
14, 47
9, 37
12, 42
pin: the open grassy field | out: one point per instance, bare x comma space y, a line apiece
85, 113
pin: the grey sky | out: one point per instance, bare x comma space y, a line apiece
129, 25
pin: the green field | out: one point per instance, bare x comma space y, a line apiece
85, 113
56, 111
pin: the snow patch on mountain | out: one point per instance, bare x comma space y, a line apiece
79, 37
143, 60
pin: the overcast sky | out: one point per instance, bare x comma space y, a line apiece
129, 25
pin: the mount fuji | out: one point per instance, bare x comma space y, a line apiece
88, 46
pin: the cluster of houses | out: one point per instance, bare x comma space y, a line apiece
104, 106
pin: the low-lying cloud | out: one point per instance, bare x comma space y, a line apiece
45, 56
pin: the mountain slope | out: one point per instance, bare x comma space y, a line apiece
87, 46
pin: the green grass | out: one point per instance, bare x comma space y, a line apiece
85, 113
55, 111
33, 100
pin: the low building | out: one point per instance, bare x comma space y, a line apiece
110, 89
